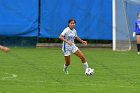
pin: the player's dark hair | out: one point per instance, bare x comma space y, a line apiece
138, 13
71, 20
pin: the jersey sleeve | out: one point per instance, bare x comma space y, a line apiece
64, 32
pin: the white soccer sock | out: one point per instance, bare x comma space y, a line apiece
85, 65
65, 67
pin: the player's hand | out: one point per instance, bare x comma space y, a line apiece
69, 43
84, 42
134, 34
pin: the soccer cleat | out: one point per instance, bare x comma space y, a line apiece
66, 71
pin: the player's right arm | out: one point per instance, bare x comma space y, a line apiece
61, 37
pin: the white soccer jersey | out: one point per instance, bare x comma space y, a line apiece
69, 35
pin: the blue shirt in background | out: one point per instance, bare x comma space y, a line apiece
137, 26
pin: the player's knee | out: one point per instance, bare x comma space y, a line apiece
67, 64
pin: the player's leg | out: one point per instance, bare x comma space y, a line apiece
81, 56
67, 54
67, 60
138, 43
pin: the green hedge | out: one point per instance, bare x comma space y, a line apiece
56, 40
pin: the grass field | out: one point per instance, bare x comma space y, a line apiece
31, 70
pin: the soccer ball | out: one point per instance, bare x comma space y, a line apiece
89, 71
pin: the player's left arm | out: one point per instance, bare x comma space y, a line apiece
80, 40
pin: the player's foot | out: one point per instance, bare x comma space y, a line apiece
66, 71
138, 53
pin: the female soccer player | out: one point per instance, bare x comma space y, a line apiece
4, 49
67, 36
137, 33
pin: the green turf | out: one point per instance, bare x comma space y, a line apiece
30, 70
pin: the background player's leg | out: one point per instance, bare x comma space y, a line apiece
138, 43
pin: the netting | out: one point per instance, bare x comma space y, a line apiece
126, 14
132, 7
18, 41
